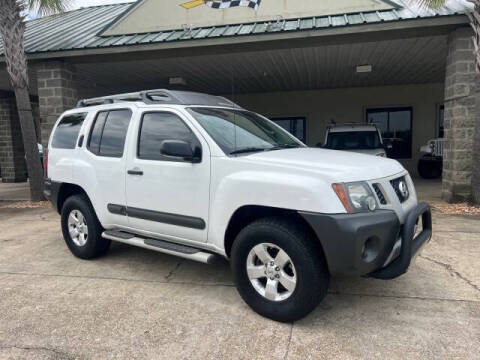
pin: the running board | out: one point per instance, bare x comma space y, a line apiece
166, 247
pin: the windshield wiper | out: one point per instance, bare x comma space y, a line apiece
284, 146
248, 149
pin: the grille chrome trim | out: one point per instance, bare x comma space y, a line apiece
380, 196
396, 187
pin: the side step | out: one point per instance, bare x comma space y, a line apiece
166, 247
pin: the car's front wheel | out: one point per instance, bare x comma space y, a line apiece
279, 269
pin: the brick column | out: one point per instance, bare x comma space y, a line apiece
460, 95
12, 156
56, 93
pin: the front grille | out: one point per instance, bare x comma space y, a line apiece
401, 188
380, 195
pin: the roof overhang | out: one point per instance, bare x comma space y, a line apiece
278, 40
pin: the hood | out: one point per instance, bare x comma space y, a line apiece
374, 152
341, 166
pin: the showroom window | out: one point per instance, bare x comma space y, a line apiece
294, 125
441, 121
395, 124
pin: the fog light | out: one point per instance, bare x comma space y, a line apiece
371, 203
370, 249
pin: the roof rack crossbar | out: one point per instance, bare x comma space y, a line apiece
352, 124
110, 99
161, 96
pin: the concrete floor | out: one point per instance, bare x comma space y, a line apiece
14, 191
136, 304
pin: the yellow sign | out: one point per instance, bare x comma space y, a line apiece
192, 4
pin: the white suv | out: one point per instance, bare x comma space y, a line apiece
197, 176
355, 137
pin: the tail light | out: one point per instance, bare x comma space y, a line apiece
46, 163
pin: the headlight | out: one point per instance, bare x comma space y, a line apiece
355, 197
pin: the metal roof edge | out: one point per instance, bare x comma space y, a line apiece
294, 19
392, 3
120, 17
458, 19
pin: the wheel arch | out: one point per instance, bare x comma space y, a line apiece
250, 213
66, 190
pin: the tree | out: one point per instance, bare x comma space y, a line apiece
12, 30
474, 18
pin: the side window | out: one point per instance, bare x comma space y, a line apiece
96, 134
109, 131
66, 133
157, 127
294, 125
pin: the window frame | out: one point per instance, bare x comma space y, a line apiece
440, 109
290, 118
166, 158
85, 115
92, 126
388, 110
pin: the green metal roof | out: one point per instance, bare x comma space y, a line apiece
82, 28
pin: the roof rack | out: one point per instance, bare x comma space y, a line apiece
352, 124
161, 96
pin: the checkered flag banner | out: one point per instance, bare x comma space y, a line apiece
223, 4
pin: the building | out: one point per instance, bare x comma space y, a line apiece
303, 63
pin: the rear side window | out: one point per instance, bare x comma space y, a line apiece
109, 131
66, 133
157, 127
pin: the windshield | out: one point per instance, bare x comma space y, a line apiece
353, 140
240, 131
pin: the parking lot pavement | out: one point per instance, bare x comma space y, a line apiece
136, 304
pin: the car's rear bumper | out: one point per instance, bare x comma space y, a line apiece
361, 244
50, 191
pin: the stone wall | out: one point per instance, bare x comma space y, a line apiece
56, 93
459, 116
12, 156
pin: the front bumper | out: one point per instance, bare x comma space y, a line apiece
361, 244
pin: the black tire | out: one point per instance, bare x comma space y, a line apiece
95, 245
306, 256
429, 168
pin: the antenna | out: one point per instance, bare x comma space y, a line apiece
234, 113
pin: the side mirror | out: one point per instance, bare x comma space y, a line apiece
389, 146
181, 149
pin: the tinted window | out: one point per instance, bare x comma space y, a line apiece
353, 140
96, 135
109, 132
395, 125
66, 133
114, 133
157, 127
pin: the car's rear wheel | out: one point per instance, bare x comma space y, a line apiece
279, 269
81, 229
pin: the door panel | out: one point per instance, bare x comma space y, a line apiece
165, 195
102, 163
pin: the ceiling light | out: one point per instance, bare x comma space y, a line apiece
177, 81
364, 68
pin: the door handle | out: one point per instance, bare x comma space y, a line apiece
135, 172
